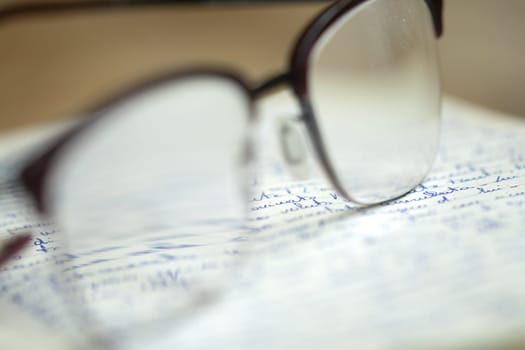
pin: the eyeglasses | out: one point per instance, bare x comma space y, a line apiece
146, 189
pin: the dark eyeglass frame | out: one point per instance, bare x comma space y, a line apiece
33, 175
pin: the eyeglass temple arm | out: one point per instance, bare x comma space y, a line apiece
13, 247
12, 11
15, 10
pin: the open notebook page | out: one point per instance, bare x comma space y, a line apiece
441, 266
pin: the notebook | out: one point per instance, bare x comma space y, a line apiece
439, 268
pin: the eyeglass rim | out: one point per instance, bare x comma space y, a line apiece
33, 176
299, 68
321, 23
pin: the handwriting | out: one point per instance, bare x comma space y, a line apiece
458, 229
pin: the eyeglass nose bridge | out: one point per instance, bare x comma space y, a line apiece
293, 142
294, 139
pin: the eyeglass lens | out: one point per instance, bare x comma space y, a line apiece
149, 201
374, 89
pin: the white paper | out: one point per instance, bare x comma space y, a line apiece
440, 267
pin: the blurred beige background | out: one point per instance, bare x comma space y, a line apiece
54, 66
482, 52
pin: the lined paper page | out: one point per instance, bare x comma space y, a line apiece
153, 262
441, 266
